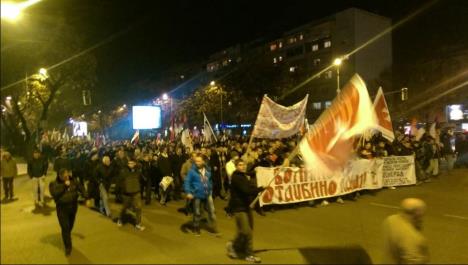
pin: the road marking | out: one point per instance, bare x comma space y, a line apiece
384, 205
456, 216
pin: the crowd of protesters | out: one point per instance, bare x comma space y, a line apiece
168, 171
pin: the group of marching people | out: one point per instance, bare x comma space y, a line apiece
170, 171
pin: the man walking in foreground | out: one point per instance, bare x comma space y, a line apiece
198, 187
405, 243
65, 191
242, 191
8, 171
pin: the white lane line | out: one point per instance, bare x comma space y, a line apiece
384, 205
456, 216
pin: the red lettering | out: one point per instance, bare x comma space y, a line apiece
287, 176
332, 188
288, 194
323, 187
305, 191
278, 180
297, 192
268, 195
279, 190
314, 189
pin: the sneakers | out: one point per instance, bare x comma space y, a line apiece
140, 227
392, 188
253, 259
119, 223
196, 231
324, 203
230, 250
339, 200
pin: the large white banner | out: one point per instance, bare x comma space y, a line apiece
292, 184
275, 121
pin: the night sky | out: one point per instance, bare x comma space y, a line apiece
164, 33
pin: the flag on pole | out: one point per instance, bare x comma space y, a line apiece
275, 121
383, 116
186, 139
136, 137
208, 130
328, 146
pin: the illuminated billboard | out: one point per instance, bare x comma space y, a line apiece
80, 128
146, 117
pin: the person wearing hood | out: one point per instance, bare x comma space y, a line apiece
65, 191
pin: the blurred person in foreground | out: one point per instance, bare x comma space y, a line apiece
242, 191
405, 243
8, 171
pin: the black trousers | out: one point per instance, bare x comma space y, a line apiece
8, 187
66, 217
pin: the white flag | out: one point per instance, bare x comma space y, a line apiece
136, 137
208, 131
275, 121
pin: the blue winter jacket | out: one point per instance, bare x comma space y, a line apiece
193, 183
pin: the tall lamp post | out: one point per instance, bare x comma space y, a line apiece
337, 64
213, 84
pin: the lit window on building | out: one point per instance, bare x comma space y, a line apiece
327, 104
315, 47
275, 60
327, 44
328, 75
317, 105
273, 47
182, 77
292, 40
280, 59
316, 62
280, 44
301, 37
292, 69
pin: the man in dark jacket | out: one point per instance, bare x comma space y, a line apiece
104, 177
131, 193
242, 191
119, 165
167, 182
65, 191
62, 162
37, 170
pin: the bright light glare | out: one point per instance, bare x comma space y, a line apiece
146, 117
43, 71
337, 62
12, 11
212, 83
165, 96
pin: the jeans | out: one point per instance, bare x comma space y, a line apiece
243, 243
38, 185
66, 217
450, 161
8, 187
132, 200
104, 202
204, 204
433, 168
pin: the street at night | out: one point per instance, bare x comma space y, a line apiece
303, 235
234, 132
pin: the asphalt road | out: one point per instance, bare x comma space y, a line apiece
336, 233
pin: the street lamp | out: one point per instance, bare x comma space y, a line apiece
165, 97
337, 64
12, 11
212, 83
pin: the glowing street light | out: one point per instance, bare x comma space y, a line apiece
212, 83
43, 72
12, 11
165, 97
337, 62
